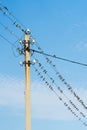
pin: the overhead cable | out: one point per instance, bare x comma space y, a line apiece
59, 97
8, 29
7, 40
9, 15
62, 79
60, 58
44, 71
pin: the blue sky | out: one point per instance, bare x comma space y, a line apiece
59, 27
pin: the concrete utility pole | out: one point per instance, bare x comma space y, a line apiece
27, 82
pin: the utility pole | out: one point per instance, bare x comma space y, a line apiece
27, 83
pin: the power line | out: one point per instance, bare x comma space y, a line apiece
61, 78
43, 53
44, 71
11, 14
14, 22
7, 40
60, 58
10, 31
18, 26
20, 51
59, 97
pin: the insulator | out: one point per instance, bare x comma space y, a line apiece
20, 52
27, 31
20, 41
33, 41
21, 63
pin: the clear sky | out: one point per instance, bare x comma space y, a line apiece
60, 28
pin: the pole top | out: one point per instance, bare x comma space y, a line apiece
27, 37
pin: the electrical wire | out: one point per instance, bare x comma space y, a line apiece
14, 22
7, 40
13, 46
59, 97
10, 31
61, 78
11, 14
58, 88
18, 26
54, 56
